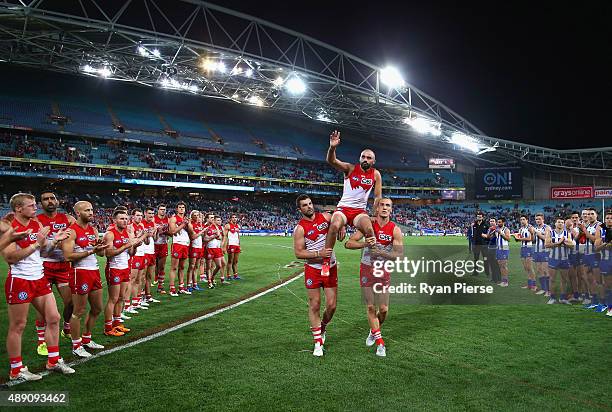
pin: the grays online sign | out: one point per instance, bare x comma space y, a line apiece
498, 183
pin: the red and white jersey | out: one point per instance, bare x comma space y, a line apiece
150, 228
384, 240
84, 241
121, 260
210, 231
56, 223
197, 228
31, 267
138, 230
315, 232
182, 236
233, 235
162, 239
357, 188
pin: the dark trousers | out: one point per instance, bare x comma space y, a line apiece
478, 251
491, 261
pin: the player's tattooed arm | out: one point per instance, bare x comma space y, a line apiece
355, 241
344, 167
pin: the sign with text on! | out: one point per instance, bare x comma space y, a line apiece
578, 192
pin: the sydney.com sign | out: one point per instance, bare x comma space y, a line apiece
499, 183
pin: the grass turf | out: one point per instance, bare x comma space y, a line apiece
505, 357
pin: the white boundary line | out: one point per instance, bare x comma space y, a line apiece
166, 331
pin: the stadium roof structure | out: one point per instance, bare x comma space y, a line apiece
195, 47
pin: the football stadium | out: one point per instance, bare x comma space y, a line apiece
205, 210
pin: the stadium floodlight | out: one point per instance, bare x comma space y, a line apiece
105, 72
423, 125
235, 96
236, 70
142, 51
465, 141
156, 53
391, 77
295, 85
221, 67
278, 82
255, 100
249, 72
88, 69
193, 88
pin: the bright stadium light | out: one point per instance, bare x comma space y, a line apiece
295, 85
391, 77
88, 69
221, 67
255, 100
236, 70
423, 125
156, 53
105, 72
278, 82
142, 51
465, 141
249, 72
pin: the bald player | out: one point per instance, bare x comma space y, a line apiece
80, 248
359, 180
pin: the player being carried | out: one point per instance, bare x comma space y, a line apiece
359, 179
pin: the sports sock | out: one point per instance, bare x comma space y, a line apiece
16, 365
54, 355
316, 334
40, 331
377, 336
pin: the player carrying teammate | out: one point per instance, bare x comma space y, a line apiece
80, 249
308, 243
232, 238
359, 179
389, 245
56, 268
25, 284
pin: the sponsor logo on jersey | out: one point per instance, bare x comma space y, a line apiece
22, 295
321, 227
309, 282
84, 287
385, 237
58, 226
116, 279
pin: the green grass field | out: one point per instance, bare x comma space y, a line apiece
258, 356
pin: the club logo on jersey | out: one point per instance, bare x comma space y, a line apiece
321, 227
310, 232
22, 295
361, 181
84, 287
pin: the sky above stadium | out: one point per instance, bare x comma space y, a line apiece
538, 74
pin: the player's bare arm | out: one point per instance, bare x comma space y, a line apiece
299, 247
13, 255
334, 142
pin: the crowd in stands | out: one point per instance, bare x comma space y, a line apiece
119, 153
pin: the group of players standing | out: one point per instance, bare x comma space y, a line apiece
56, 248
575, 250
380, 239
